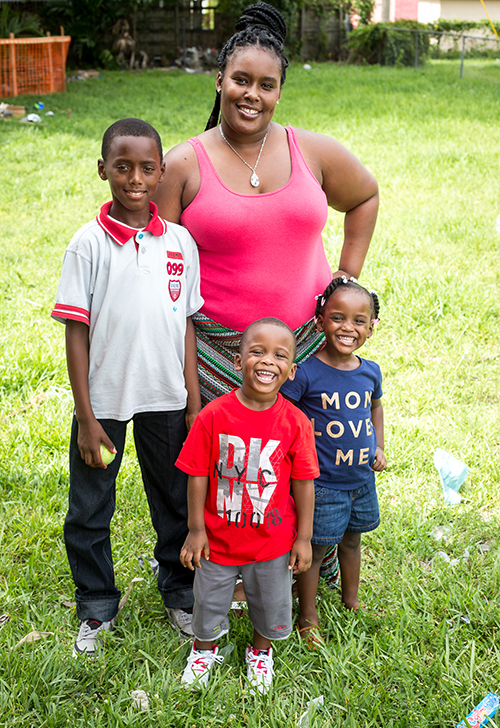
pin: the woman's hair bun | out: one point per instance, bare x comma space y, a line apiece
262, 15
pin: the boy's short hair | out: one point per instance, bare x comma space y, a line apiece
129, 127
267, 320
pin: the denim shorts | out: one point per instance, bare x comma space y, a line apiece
338, 511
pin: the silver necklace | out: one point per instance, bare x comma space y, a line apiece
254, 180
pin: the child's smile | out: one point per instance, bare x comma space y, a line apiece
266, 361
346, 322
133, 169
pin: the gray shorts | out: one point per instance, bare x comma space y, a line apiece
268, 588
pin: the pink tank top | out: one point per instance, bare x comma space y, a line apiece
260, 255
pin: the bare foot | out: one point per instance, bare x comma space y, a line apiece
352, 605
310, 634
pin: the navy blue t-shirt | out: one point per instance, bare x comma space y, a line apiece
338, 403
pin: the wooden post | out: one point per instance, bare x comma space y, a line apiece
13, 67
51, 66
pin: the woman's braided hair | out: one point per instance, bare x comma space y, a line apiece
262, 26
350, 284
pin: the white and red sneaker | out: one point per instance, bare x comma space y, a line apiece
198, 665
260, 668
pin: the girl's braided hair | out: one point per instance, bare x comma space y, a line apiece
350, 284
260, 25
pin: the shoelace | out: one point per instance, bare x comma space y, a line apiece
207, 659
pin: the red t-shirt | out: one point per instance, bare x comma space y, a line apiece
249, 457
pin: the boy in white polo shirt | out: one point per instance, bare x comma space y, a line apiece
130, 282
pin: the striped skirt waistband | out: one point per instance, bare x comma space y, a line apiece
218, 344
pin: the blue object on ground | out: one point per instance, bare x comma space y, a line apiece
452, 473
481, 714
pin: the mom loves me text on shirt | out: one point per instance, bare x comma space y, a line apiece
351, 430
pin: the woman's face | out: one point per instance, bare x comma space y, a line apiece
250, 89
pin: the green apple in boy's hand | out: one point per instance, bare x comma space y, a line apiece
107, 456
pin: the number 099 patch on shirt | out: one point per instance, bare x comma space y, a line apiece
135, 291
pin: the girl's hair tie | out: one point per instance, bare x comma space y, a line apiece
375, 321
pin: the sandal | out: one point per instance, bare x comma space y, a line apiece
311, 636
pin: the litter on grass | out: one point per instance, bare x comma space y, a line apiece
481, 714
33, 118
32, 637
452, 473
154, 565
442, 533
453, 562
140, 699
124, 598
312, 705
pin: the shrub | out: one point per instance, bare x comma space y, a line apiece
382, 43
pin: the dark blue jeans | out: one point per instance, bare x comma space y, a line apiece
158, 439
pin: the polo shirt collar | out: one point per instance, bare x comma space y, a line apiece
121, 232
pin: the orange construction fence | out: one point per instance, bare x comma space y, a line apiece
33, 65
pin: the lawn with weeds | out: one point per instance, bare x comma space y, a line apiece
424, 650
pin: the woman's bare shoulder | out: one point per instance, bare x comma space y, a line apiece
180, 157
344, 179
321, 145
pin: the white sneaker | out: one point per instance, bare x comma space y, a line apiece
198, 665
89, 638
181, 621
260, 669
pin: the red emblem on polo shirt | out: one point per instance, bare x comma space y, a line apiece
174, 288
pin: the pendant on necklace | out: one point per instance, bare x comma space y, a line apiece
254, 180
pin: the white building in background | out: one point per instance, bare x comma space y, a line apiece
427, 11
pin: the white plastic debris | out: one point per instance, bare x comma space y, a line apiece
316, 703
453, 562
140, 699
441, 533
307, 66
33, 118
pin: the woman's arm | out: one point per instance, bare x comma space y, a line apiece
349, 188
180, 184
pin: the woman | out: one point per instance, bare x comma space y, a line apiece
255, 197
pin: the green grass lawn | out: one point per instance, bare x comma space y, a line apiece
424, 651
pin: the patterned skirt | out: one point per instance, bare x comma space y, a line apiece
217, 346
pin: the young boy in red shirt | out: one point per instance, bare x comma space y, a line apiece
242, 454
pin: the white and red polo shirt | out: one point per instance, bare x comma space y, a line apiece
134, 289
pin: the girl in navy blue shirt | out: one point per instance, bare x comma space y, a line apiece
341, 394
